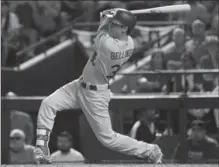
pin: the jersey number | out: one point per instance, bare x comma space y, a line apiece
115, 69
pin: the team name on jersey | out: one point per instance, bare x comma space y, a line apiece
121, 55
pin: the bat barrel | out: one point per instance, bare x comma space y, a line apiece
165, 9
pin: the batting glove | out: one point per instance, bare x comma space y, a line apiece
41, 152
108, 13
40, 157
155, 155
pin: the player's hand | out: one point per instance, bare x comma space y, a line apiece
155, 155
41, 155
110, 13
107, 13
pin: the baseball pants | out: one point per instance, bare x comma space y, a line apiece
94, 105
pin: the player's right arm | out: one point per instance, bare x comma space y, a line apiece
104, 21
103, 27
105, 17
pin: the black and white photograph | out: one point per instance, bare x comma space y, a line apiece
97, 83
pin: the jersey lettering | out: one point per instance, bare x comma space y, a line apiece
121, 55
109, 55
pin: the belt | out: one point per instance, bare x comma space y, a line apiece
94, 87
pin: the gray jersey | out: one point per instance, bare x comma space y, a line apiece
109, 55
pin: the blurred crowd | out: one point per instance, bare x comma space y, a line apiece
201, 146
25, 23
194, 46
201, 143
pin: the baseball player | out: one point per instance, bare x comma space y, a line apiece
113, 47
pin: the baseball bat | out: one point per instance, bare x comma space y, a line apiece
164, 9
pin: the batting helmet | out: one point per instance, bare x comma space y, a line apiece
126, 18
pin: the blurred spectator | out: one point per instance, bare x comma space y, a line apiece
9, 35
22, 121
185, 82
20, 153
214, 26
200, 148
199, 43
144, 129
65, 153
216, 83
188, 81
48, 19
179, 83
210, 61
210, 5
29, 33
216, 110
9, 21
45, 18
178, 47
157, 60
90, 7
174, 54
208, 79
198, 113
208, 84
73, 9
198, 11
213, 51
206, 115
215, 10
154, 83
